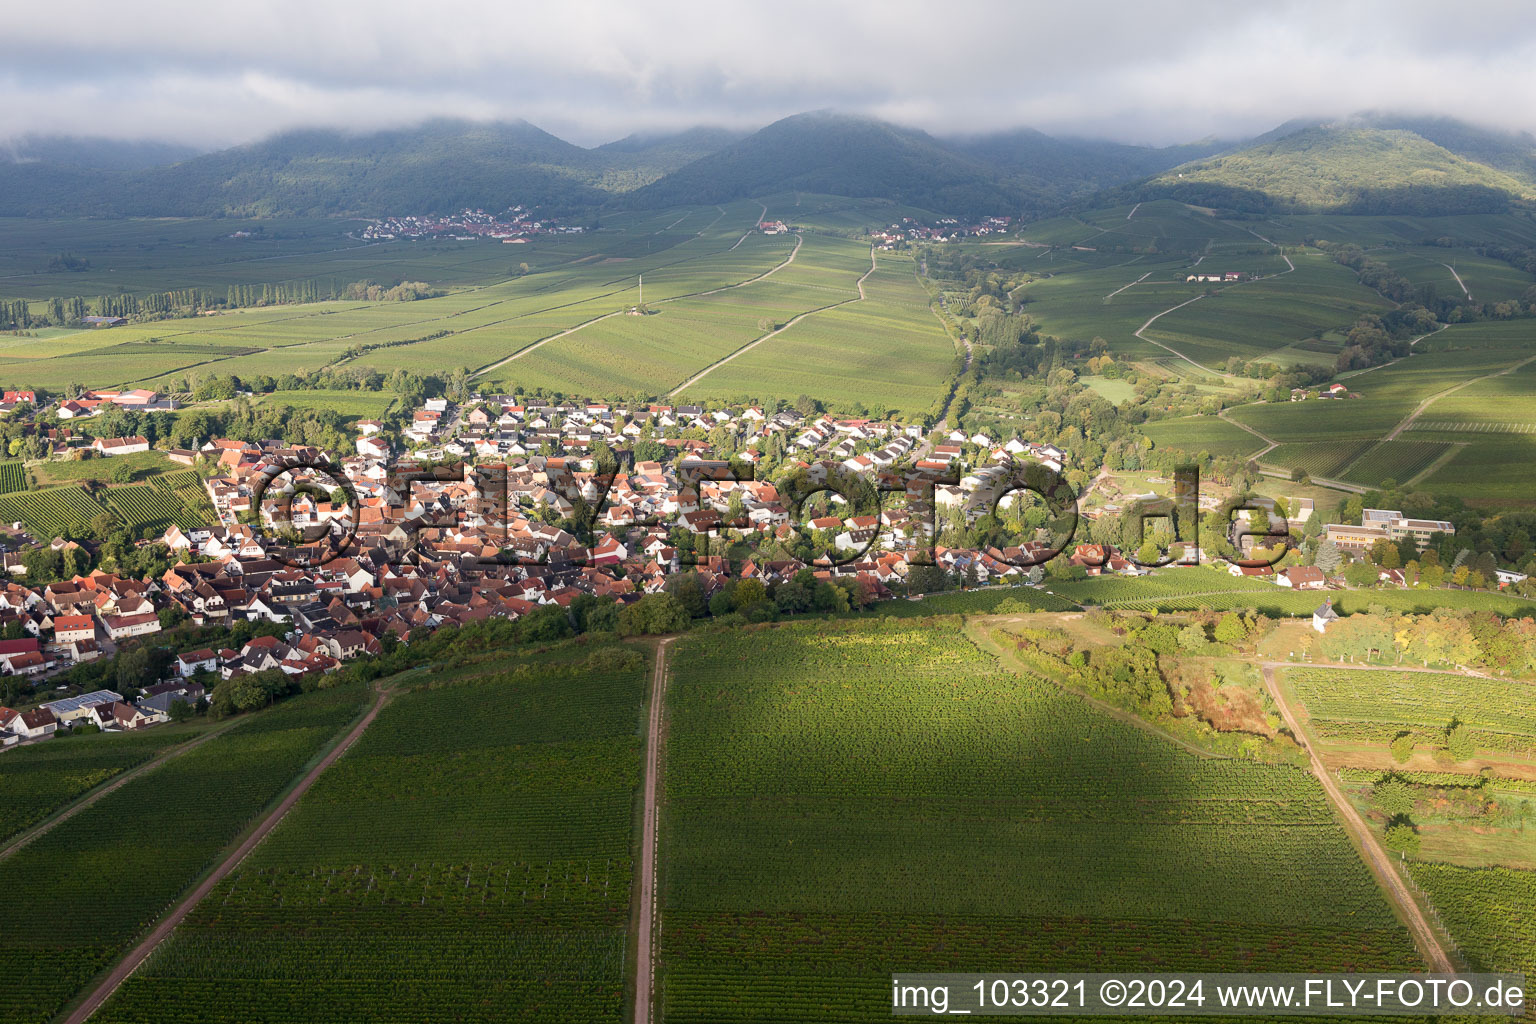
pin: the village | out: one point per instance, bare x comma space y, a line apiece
504, 505
512, 225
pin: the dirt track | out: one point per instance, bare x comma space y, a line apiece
645, 966
1375, 857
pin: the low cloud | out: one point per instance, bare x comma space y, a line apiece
592, 70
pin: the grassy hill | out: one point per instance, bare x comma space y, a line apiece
1351, 167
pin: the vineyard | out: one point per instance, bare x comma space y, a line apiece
79, 894
1164, 585
52, 512
13, 477
1490, 913
38, 779
995, 600
1374, 706
1187, 589
187, 487
139, 505
849, 799
1395, 460
469, 859
1317, 458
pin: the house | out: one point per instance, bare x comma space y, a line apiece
103, 321
121, 715
193, 662
68, 629
161, 696
35, 725
1324, 615
122, 627
13, 650
71, 709
1302, 577
120, 445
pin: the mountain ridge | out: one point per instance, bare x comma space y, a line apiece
1369, 162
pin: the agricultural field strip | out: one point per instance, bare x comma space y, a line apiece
650, 844
673, 298
167, 924
558, 284
1412, 696
471, 856
615, 286
774, 333
1405, 424
836, 766
1489, 911
1269, 443
74, 915
888, 352
1485, 427
80, 801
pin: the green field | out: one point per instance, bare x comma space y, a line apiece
1482, 279
1490, 913
1210, 586
140, 505
1258, 318
352, 404
1317, 458
1400, 460
41, 778
713, 286
100, 469
52, 512
1195, 434
885, 351
13, 477
1112, 390
469, 859
1376, 705
816, 774
83, 891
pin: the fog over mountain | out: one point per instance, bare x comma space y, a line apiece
593, 71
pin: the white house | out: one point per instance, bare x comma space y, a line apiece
120, 445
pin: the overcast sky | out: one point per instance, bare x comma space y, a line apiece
594, 70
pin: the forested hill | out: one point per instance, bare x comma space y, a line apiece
435, 167
445, 165
840, 155
1369, 164
1353, 167
1012, 172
